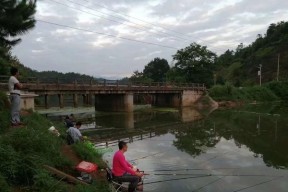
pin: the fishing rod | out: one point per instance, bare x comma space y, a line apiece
144, 157
261, 183
190, 169
214, 181
214, 175
175, 179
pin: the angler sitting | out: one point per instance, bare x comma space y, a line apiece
123, 171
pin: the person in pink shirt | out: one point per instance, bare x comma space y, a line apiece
122, 170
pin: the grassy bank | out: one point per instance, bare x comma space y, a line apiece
273, 91
24, 151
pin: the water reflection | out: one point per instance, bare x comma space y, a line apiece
268, 139
251, 140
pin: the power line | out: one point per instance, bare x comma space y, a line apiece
152, 24
108, 35
143, 28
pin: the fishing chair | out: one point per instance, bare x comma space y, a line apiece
116, 184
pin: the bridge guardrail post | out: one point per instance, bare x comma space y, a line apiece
117, 83
37, 82
75, 83
104, 82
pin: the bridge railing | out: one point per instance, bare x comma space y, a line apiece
102, 82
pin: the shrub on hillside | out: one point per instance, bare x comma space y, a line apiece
279, 88
229, 92
24, 151
87, 152
260, 93
4, 113
3, 184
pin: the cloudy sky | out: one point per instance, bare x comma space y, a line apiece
113, 38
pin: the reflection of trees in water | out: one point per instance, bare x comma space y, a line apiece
197, 138
266, 136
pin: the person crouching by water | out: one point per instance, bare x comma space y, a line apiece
68, 122
122, 170
73, 134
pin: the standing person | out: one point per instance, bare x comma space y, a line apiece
73, 134
122, 170
14, 89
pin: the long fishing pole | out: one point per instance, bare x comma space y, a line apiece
190, 169
214, 181
261, 183
216, 175
210, 183
175, 179
144, 157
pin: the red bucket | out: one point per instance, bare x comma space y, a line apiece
86, 167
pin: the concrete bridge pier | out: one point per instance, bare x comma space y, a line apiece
114, 102
46, 100
61, 100
75, 100
189, 98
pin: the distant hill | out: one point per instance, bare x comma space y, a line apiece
53, 76
240, 67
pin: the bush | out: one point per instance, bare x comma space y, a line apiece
4, 113
87, 152
43, 182
4, 186
100, 187
24, 151
260, 94
231, 93
279, 88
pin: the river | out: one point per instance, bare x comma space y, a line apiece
243, 149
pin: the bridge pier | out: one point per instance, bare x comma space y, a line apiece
61, 100
114, 102
46, 101
75, 100
189, 98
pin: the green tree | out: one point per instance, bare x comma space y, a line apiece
195, 63
16, 18
156, 69
138, 77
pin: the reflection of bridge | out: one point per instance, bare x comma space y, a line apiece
115, 96
112, 137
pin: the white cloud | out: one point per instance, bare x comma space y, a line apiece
217, 24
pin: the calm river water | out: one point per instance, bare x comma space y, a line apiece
223, 150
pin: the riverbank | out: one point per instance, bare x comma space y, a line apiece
228, 95
25, 150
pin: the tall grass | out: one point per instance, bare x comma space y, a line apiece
87, 151
24, 151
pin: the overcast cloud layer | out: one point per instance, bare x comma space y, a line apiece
218, 24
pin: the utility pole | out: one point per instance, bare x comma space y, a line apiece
278, 67
260, 74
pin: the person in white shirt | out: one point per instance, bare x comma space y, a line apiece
73, 134
14, 88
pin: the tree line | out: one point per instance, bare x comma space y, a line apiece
239, 67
